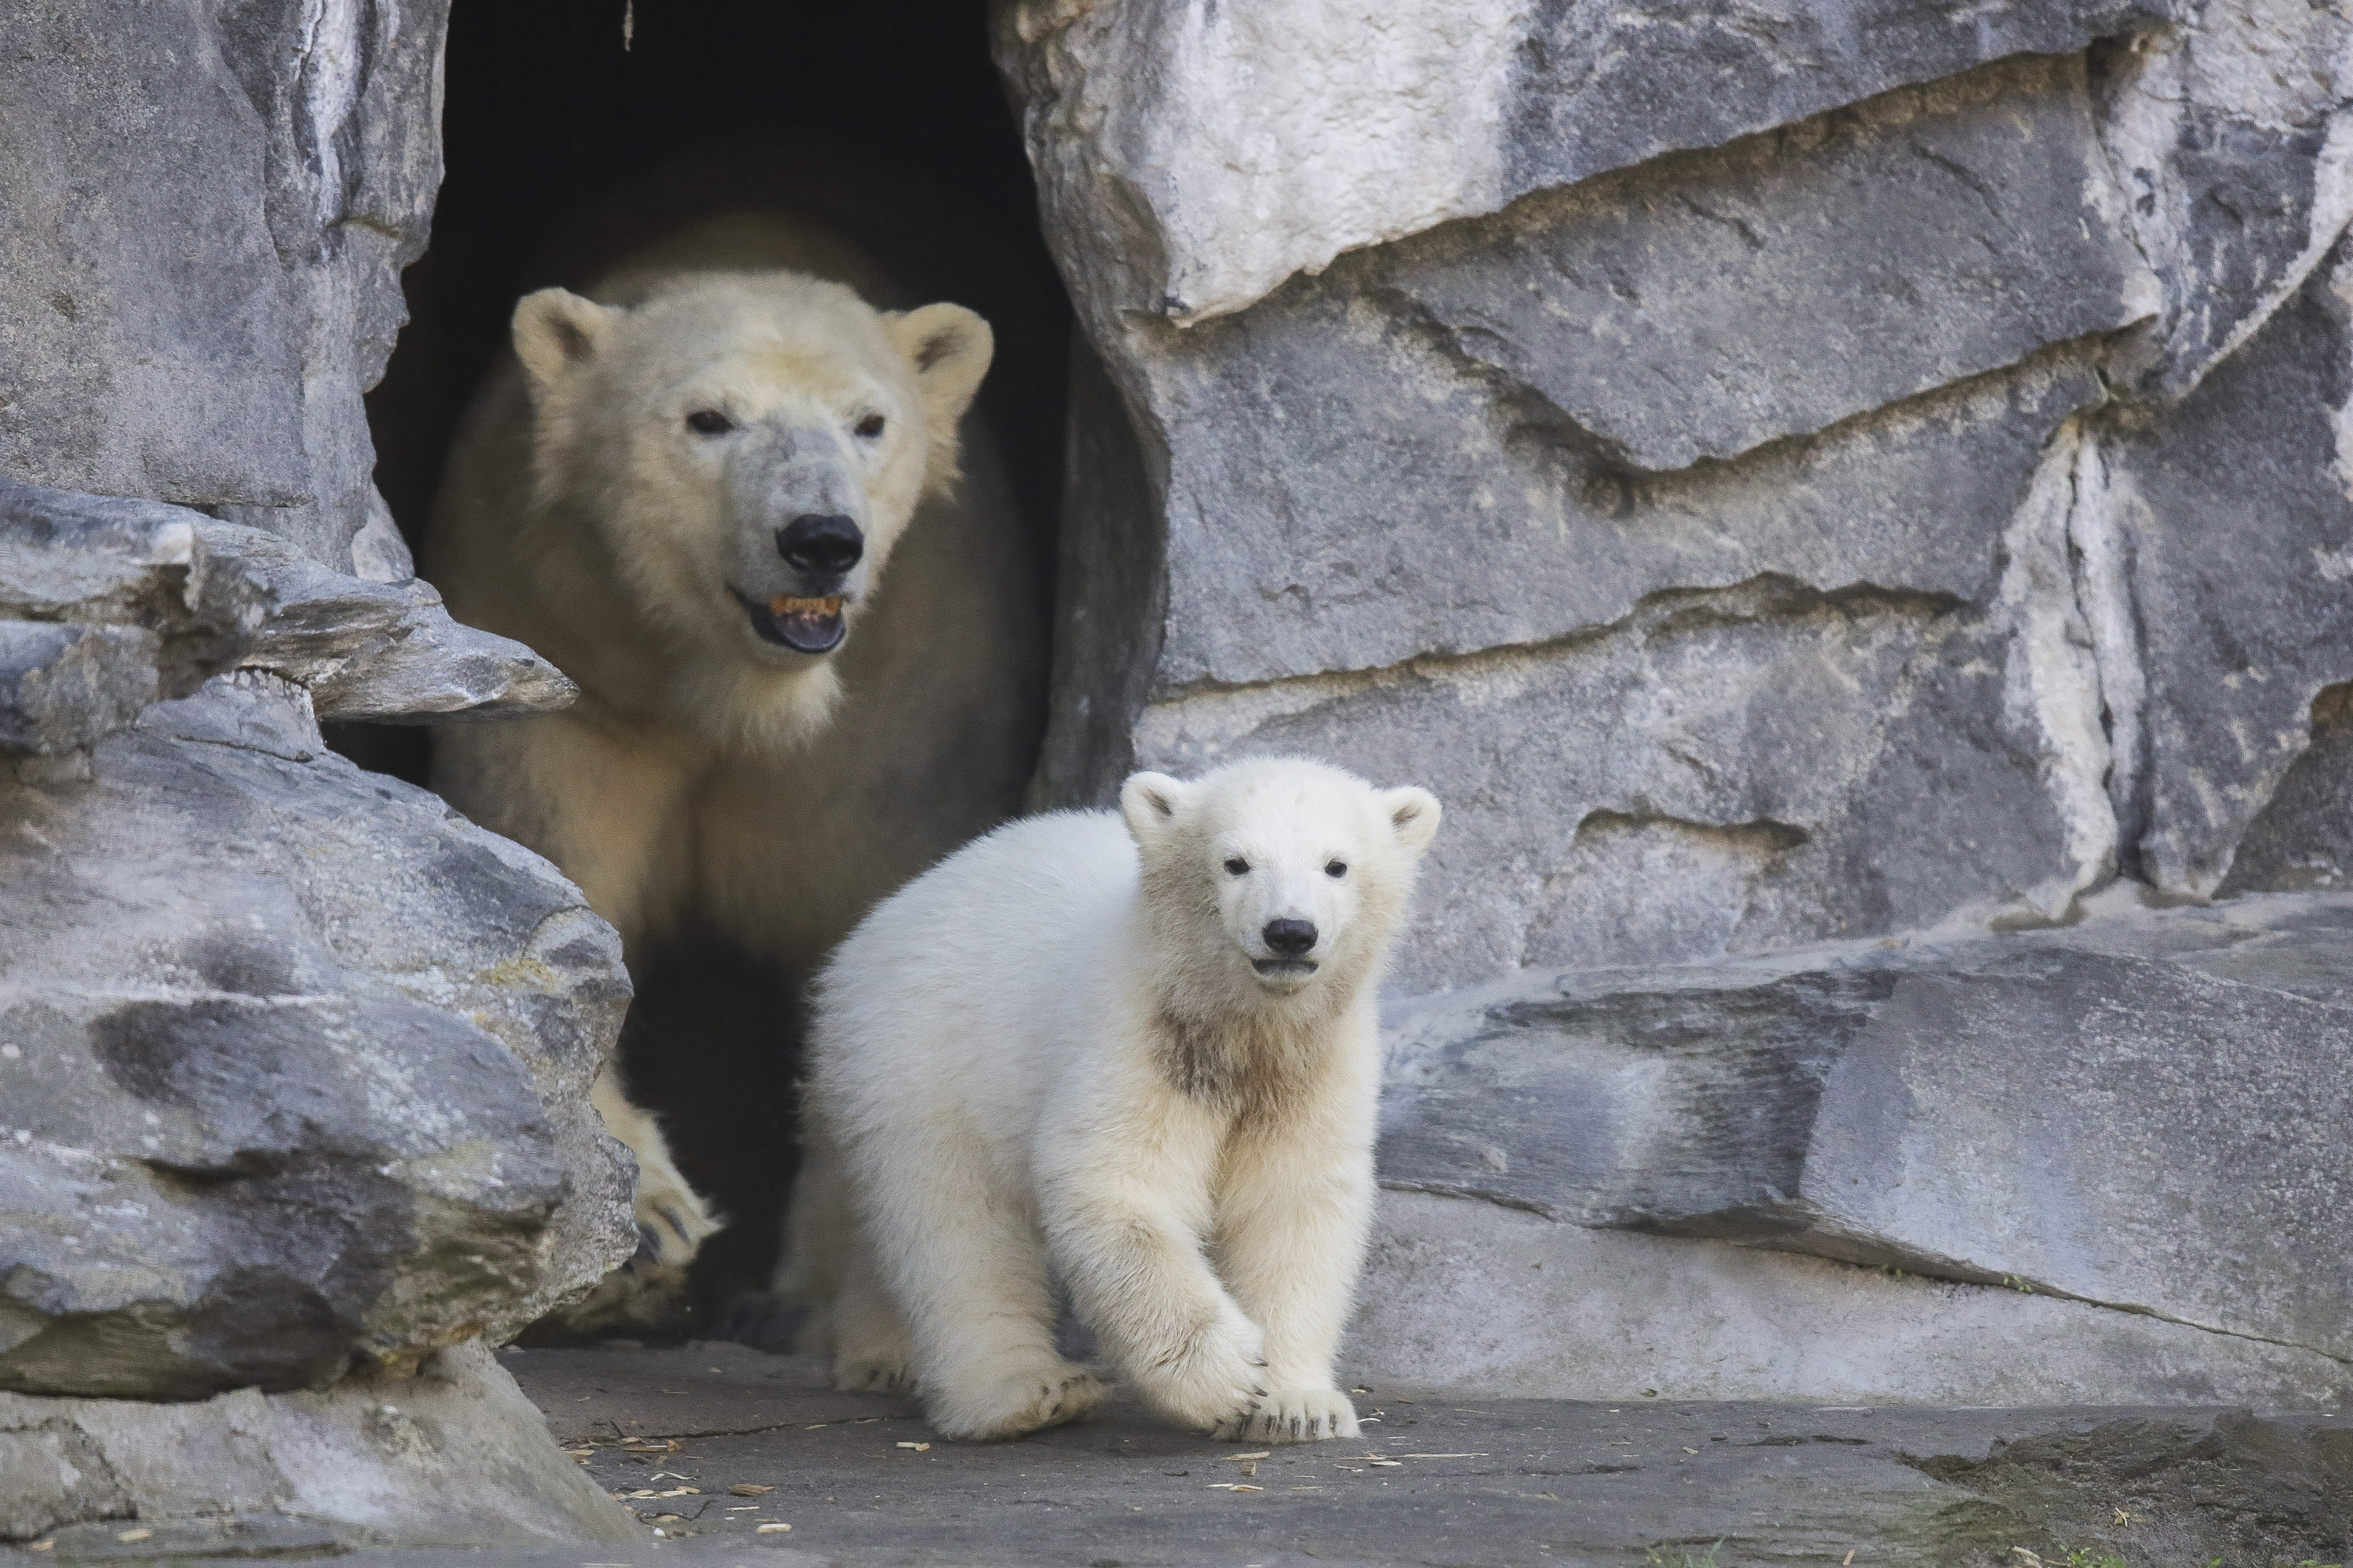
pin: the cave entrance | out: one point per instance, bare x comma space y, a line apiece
552, 107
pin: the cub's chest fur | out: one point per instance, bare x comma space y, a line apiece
1253, 1070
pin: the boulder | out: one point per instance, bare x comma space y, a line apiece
294, 1061
1469, 1296
454, 1454
2100, 1114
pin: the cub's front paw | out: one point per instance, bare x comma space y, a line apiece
1215, 1378
1010, 1404
1294, 1416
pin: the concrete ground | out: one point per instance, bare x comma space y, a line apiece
709, 1442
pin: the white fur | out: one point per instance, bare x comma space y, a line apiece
1054, 1057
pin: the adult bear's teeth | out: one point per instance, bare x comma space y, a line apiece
786, 604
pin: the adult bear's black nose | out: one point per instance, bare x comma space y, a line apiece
827, 545
1289, 938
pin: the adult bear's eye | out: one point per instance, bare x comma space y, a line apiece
870, 426
709, 422
1335, 867
1237, 866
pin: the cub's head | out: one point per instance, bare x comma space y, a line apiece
1279, 877
751, 446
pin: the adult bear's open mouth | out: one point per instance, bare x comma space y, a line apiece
1293, 967
804, 626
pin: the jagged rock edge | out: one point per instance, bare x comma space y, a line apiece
1942, 1271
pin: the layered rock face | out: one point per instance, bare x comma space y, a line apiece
209, 214
1785, 475
294, 1061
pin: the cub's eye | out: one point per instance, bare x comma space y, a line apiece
709, 422
1237, 866
870, 426
1335, 867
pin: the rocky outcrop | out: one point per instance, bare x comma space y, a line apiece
202, 274
2096, 1114
296, 1060
453, 1454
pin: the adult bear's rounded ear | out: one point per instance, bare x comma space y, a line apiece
556, 331
1150, 803
1414, 814
950, 348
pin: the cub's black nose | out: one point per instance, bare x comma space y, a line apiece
1289, 938
830, 545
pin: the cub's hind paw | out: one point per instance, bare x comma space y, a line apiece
882, 1374
1016, 1402
762, 1321
1293, 1415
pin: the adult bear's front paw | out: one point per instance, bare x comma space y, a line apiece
1294, 1415
1215, 1378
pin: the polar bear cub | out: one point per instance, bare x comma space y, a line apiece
1137, 1053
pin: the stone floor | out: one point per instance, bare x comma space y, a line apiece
710, 1442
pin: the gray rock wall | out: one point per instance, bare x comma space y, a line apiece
208, 207
1748, 509
1819, 472
294, 1062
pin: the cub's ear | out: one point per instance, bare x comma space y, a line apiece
950, 348
1414, 814
1150, 803
556, 331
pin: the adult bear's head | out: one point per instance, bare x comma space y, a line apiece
749, 446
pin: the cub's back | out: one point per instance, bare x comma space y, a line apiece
961, 985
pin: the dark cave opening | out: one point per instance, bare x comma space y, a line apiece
568, 124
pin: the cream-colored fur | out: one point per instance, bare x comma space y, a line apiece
706, 771
1069, 1052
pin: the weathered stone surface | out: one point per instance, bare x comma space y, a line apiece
1191, 157
2227, 127
387, 652
2302, 841
2229, 517
295, 1071
293, 1060
1403, 511
453, 1454
1414, 452
2099, 1112
1413, 507
62, 687
1850, 763
208, 596
207, 212
1711, 302
81, 559
1461, 1294
1498, 1479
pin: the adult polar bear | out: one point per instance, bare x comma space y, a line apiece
684, 491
